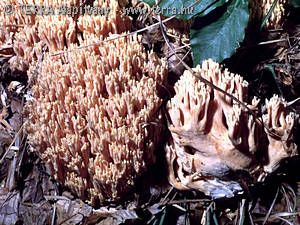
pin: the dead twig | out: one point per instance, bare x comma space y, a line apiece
113, 38
12, 143
54, 213
271, 207
187, 201
206, 82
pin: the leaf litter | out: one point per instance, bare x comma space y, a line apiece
28, 195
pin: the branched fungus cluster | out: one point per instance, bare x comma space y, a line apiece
211, 134
259, 10
95, 118
96, 115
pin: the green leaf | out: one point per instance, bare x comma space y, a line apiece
149, 2
268, 14
186, 9
219, 40
295, 3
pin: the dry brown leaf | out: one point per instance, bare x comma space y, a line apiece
3, 122
36, 214
77, 212
9, 207
36, 186
120, 215
16, 119
71, 212
5, 139
108, 221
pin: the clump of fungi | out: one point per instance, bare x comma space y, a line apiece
96, 120
259, 10
211, 134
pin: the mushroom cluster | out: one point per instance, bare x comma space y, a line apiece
95, 119
280, 124
95, 116
259, 9
212, 135
27, 32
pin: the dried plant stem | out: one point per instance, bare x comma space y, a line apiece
114, 38
211, 85
12, 143
271, 207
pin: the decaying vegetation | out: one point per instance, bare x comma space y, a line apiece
104, 121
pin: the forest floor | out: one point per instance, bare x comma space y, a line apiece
270, 62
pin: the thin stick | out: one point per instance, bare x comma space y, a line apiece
186, 201
244, 106
271, 207
113, 38
12, 143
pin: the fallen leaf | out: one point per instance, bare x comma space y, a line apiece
9, 207
36, 214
